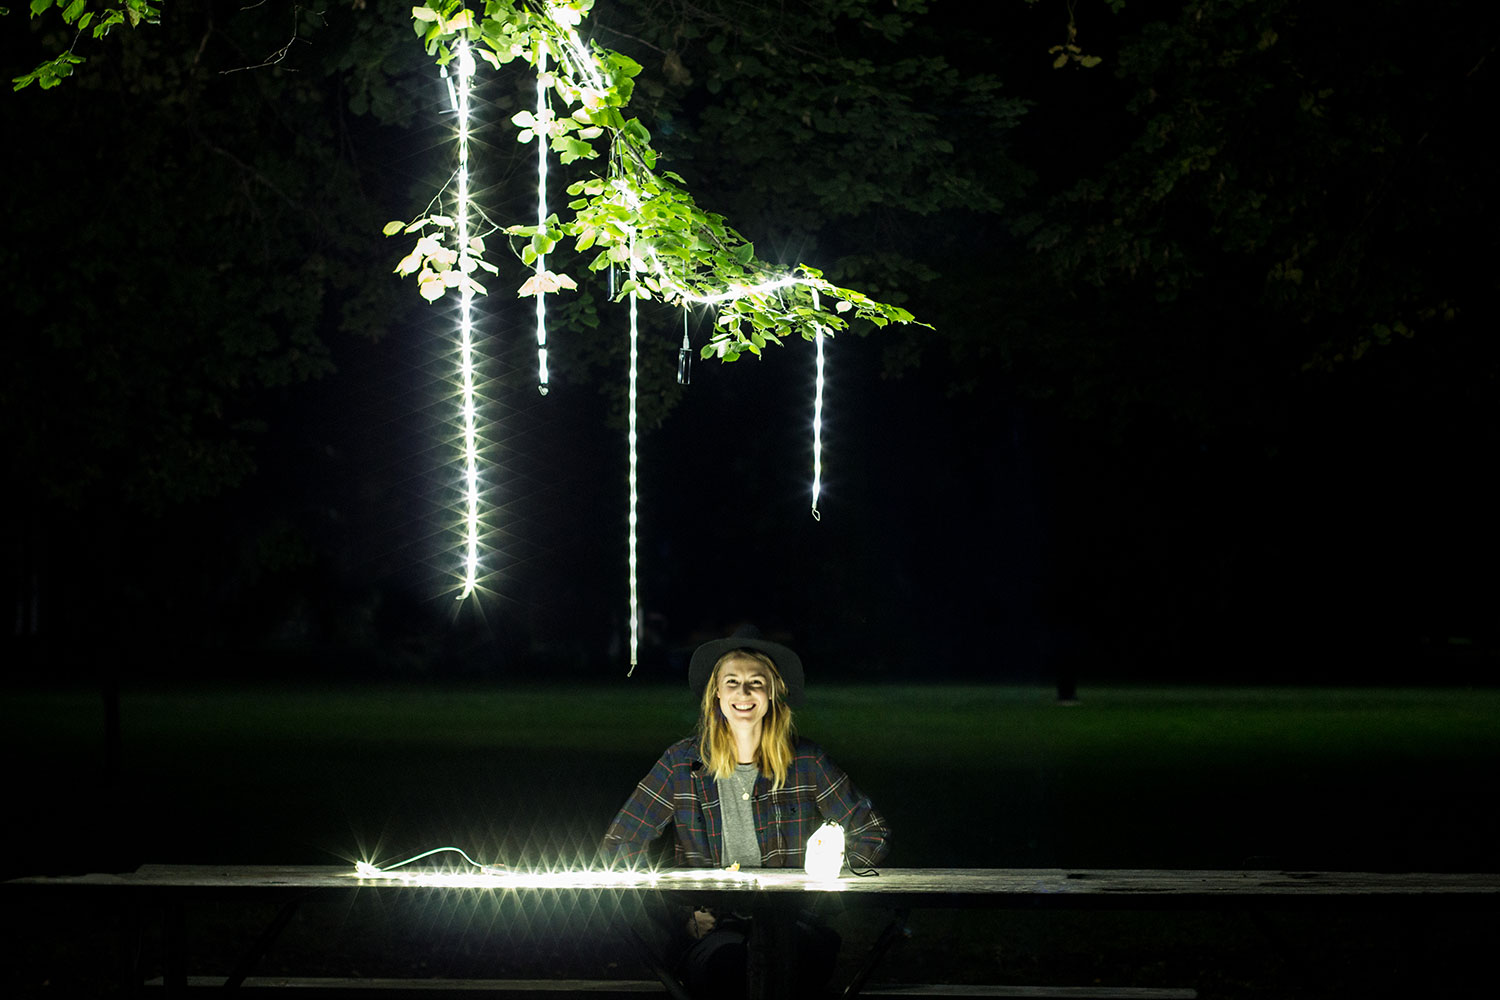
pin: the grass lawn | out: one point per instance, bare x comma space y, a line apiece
969, 776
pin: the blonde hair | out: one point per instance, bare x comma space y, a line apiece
715, 741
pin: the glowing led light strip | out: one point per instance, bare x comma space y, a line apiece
499, 877
579, 56
737, 292
635, 606
772, 286
367, 870
541, 220
582, 60
466, 332
817, 486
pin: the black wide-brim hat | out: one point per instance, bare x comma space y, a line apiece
788, 663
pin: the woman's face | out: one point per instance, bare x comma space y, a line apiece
744, 691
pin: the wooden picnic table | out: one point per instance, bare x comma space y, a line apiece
1069, 888
774, 897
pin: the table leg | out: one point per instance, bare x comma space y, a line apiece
895, 932
772, 958
174, 965
248, 960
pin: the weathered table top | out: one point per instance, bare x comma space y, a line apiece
998, 888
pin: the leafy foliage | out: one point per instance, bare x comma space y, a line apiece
1239, 158
206, 245
83, 16
631, 215
853, 132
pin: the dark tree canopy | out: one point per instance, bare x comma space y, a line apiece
1213, 316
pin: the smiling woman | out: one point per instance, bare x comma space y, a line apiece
744, 792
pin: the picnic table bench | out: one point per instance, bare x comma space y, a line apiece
772, 896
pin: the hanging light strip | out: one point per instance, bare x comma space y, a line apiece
745, 291
772, 286
578, 56
541, 220
635, 605
466, 333
817, 484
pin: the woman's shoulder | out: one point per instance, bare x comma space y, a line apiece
684, 751
805, 749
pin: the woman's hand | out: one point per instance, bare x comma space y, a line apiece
700, 923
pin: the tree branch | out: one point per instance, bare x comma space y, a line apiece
281, 53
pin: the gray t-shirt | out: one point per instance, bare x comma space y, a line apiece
739, 819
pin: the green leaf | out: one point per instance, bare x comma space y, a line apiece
636, 132
39, 7
392, 228
623, 64
417, 13
71, 12
111, 18
572, 149
744, 253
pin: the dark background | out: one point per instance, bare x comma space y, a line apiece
229, 426
1208, 397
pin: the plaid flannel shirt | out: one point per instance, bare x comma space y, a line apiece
680, 791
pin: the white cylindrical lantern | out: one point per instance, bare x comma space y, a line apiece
825, 852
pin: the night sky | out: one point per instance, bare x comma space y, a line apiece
1077, 478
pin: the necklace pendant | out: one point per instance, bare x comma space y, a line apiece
744, 795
